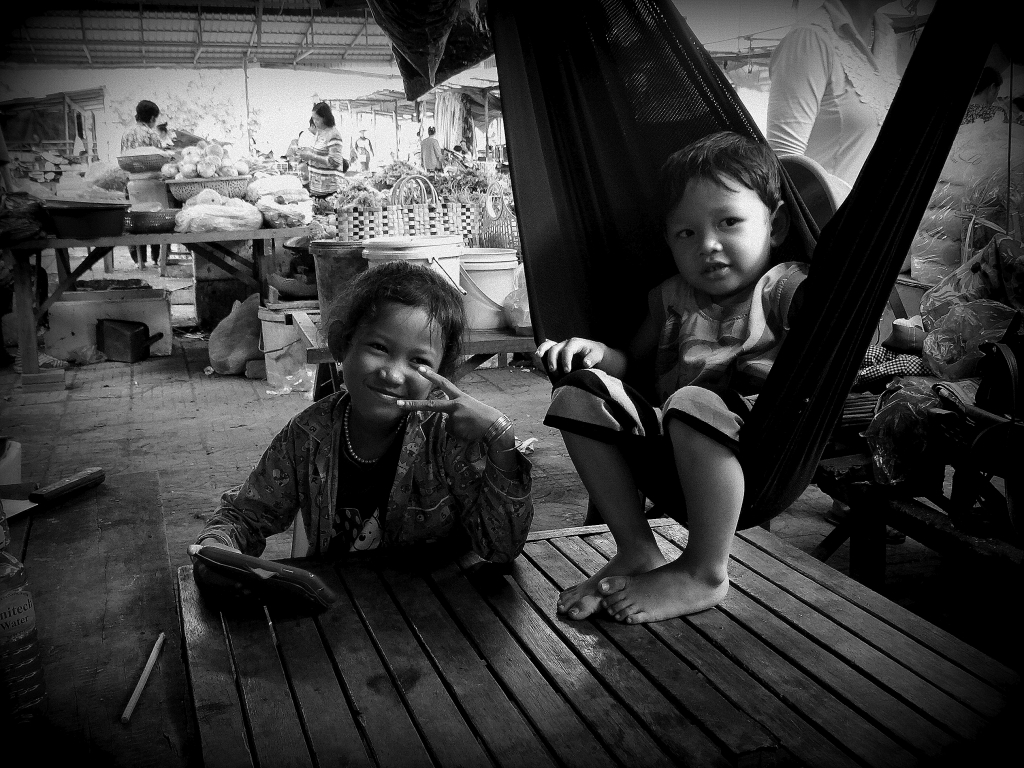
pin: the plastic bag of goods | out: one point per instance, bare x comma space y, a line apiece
234, 214
516, 306
275, 185
933, 257
236, 339
898, 434
280, 216
951, 347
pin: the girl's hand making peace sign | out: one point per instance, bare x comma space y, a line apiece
468, 418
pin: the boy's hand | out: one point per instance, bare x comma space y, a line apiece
562, 357
468, 418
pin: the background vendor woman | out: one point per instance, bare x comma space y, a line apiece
143, 134
326, 156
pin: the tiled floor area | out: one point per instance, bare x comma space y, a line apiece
202, 432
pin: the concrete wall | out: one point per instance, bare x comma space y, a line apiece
207, 102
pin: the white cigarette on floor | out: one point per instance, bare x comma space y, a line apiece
126, 716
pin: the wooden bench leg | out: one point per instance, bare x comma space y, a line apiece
165, 250
108, 262
867, 535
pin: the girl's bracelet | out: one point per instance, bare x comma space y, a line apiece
499, 427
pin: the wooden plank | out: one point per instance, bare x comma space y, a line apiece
679, 736
211, 677
793, 686
277, 737
960, 653
795, 734
923, 661
103, 590
838, 659
383, 719
165, 237
505, 731
449, 738
742, 738
590, 530
333, 735
620, 732
563, 730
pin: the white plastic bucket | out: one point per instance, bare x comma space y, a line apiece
442, 254
486, 276
282, 347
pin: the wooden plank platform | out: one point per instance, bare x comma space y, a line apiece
467, 664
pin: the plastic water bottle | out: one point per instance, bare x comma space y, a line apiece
22, 691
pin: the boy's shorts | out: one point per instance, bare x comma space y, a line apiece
593, 404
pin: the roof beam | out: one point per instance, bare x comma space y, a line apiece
85, 43
302, 52
199, 32
142, 34
257, 30
355, 39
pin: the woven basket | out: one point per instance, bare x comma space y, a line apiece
463, 219
499, 228
143, 163
149, 222
229, 186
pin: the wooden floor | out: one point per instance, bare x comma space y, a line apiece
103, 567
468, 664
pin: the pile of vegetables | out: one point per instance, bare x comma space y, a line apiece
464, 186
205, 160
388, 176
359, 194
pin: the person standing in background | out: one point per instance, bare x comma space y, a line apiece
983, 106
363, 151
326, 157
833, 77
143, 134
430, 152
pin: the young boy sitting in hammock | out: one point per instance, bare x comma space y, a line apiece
713, 331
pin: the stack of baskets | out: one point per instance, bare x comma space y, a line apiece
499, 228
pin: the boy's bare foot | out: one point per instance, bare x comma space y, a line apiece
663, 593
582, 600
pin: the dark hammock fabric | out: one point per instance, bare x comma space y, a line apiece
597, 97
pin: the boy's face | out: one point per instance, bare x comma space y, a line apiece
381, 362
721, 236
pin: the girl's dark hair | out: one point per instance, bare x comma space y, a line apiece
323, 109
720, 157
989, 77
145, 111
398, 282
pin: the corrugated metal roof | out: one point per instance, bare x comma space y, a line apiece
167, 37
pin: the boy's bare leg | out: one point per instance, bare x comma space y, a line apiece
607, 478
698, 579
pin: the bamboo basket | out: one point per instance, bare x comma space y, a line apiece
499, 228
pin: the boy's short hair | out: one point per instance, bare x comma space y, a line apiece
720, 157
398, 282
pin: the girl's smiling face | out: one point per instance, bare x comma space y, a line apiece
721, 235
380, 364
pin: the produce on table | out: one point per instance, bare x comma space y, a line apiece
169, 170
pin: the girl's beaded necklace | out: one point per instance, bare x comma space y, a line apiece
349, 450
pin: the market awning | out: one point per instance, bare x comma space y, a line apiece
308, 34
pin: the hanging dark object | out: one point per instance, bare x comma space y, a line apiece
597, 96
433, 39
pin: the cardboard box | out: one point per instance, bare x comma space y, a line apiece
73, 317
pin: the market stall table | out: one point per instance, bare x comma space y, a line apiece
466, 663
206, 243
477, 346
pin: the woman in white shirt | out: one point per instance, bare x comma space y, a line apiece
833, 77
